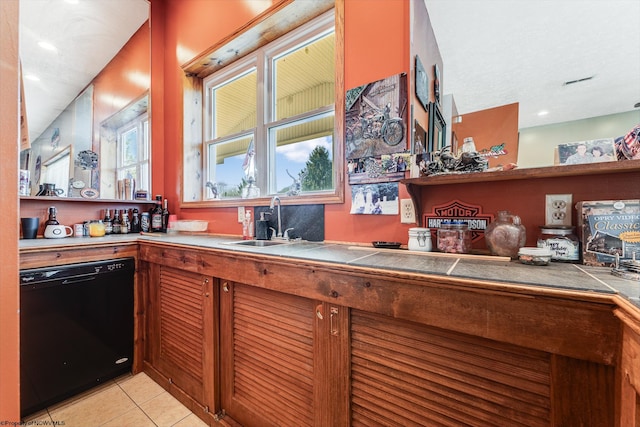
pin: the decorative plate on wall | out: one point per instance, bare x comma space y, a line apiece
89, 193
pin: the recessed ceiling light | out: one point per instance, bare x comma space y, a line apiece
47, 46
543, 113
32, 77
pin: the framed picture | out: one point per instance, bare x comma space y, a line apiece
419, 139
437, 129
581, 152
422, 84
436, 83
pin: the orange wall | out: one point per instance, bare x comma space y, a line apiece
493, 126
9, 297
376, 46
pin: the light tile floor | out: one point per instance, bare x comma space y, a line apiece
127, 401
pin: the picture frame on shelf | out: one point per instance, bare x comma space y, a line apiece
437, 129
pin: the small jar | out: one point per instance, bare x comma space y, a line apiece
419, 239
454, 237
96, 228
561, 241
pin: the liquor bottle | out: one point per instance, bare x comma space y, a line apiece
108, 224
165, 216
135, 222
126, 225
117, 223
52, 217
156, 216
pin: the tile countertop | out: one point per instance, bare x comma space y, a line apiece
562, 276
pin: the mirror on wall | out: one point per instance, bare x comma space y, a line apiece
83, 63
565, 64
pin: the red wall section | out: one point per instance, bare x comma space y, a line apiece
526, 198
376, 46
490, 127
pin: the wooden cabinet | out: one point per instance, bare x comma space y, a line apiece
628, 381
263, 341
280, 360
181, 333
404, 373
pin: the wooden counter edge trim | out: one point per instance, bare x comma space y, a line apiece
525, 319
628, 313
420, 279
60, 255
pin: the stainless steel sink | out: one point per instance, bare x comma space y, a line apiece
260, 243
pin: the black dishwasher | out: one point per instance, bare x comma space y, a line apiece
76, 329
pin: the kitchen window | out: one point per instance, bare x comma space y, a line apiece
270, 118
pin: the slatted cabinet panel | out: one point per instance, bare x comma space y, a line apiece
414, 375
182, 325
267, 357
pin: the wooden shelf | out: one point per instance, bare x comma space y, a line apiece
527, 173
80, 199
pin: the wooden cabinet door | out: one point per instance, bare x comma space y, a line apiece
181, 330
404, 373
276, 351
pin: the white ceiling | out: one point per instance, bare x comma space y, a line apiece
86, 33
497, 52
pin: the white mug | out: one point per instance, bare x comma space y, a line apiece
57, 231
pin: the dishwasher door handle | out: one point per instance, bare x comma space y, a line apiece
78, 280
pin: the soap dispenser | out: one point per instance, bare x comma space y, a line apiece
262, 228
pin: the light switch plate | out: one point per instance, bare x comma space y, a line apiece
407, 212
240, 214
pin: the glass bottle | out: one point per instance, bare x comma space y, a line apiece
53, 220
126, 225
135, 222
506, 235
108, 225
165, 216
156, 216
117, 223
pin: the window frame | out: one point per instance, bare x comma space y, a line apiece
142, 125
201, 67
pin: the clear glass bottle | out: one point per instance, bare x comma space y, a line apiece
126, 225
506, 235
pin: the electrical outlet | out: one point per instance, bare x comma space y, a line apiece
240, 214
407, 212
558, 209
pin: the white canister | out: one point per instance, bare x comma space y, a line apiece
419, 239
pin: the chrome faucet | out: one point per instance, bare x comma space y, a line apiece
273, 202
